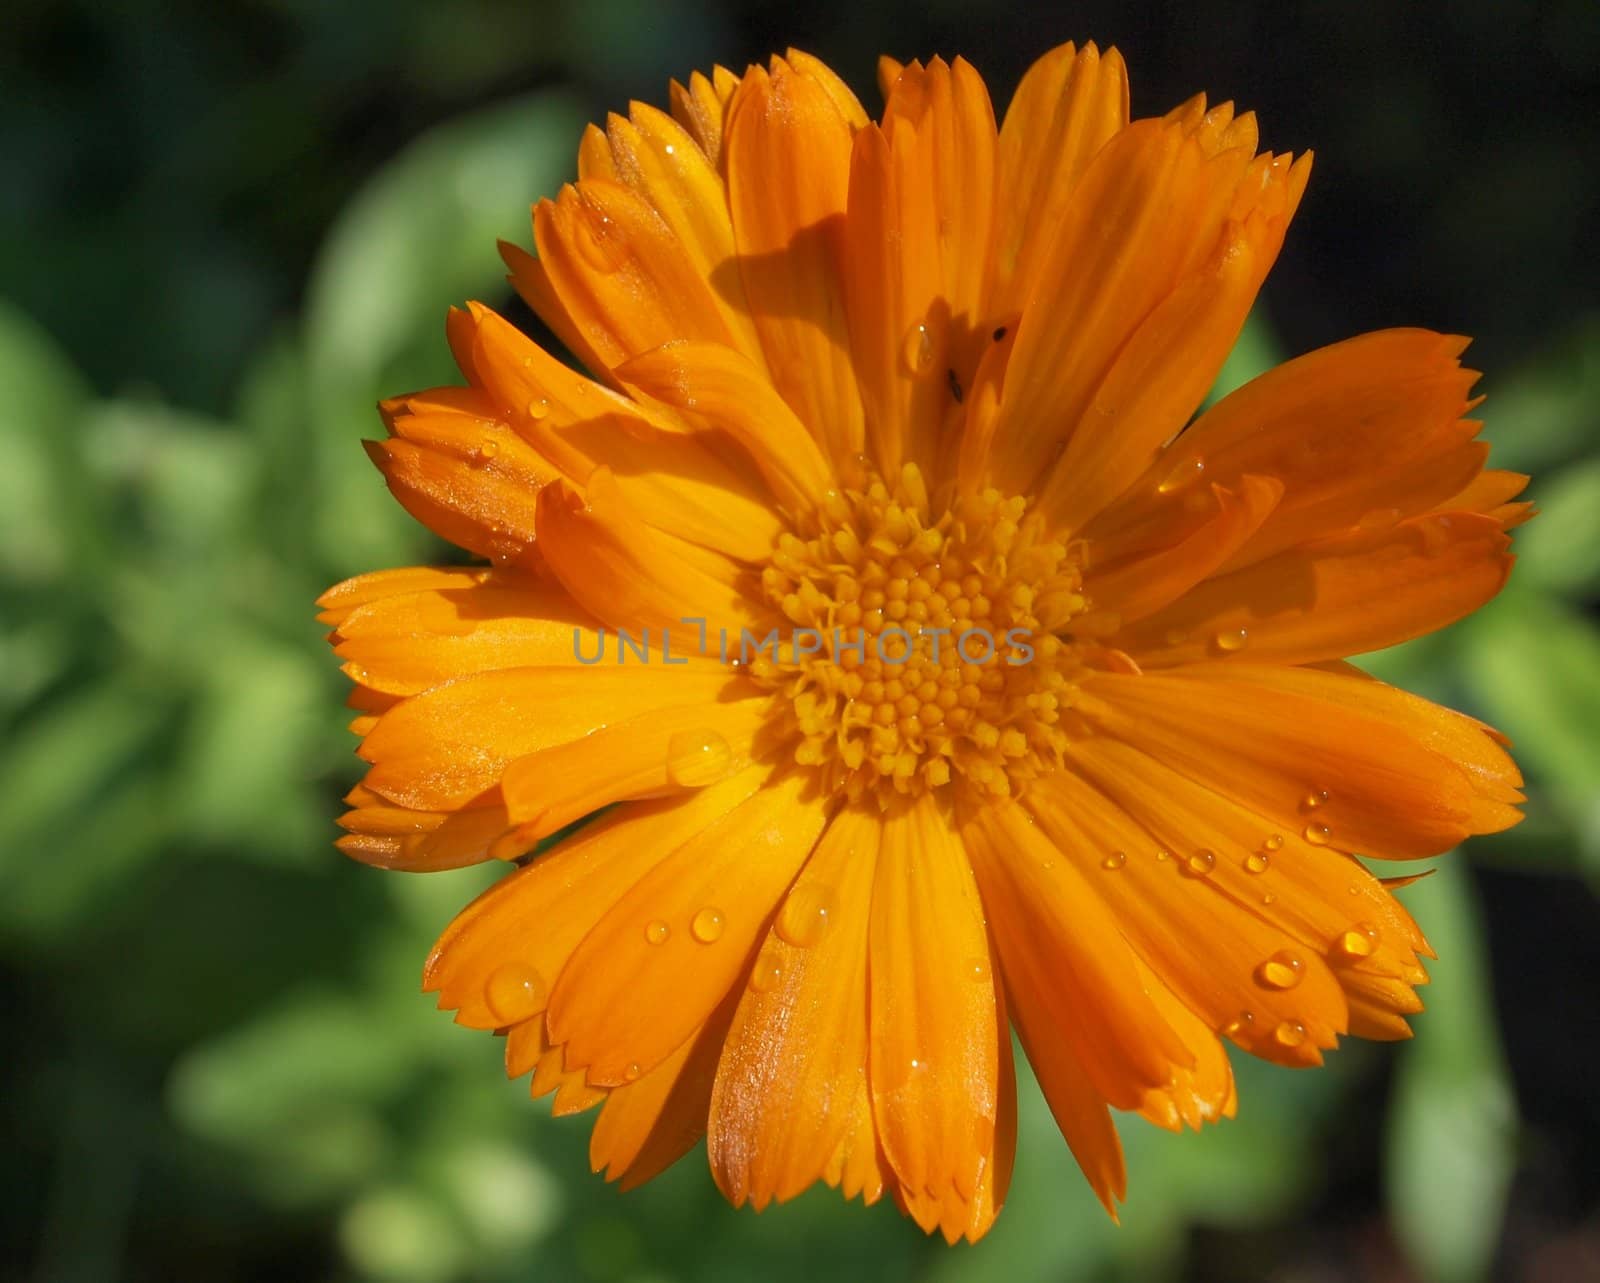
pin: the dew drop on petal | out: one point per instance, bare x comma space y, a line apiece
488, 448
1360, 941
768, 969
1242, 1024
1281, 971
1291, 1033
921, 346
1256, 862
1229, 640
1317, 834
631, 1072
657, 932
1200, 864
1312, 800
1115, 860
538, 407
1163, 854
514, 992
806, 915
1274, 842
697, 758
707, 926
1182, 475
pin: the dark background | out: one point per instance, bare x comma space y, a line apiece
226, 229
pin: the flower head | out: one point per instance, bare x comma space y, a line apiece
940, 675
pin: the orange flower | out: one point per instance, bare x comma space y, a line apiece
1051, 728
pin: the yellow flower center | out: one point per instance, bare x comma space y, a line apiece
923, 651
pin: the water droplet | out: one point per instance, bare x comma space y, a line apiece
1281, 971
488, 448
1256, 862
598, 243
707, 926
1291, 1033
1182, 475
697, 758
1312, 800
1243, 1023
1163, 854
1115, 860
1360, 941
1436, 534
514, 992
538, 407
631, 1072
977, 969
1268, 898
922, 346
1200, 864
1317, 834
657, 932
1229, 640
1274, 842
806, 915
768, 969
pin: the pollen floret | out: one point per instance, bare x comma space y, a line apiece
932, 628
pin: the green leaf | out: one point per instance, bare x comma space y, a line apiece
1534, 666
1544, 414
418, 240
40, 396
1560, 551
1451, 1134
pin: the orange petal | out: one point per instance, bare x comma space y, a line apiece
1161, 374
795, 1064
656, 156
666, 751
1364, 431
478, 621
633, 992
648, 1124
1344, 596
1201, 945
1066, 108
1276, 746
440, 749
1067, 969
722, 389
916, 240
395, 837
1334, 916
934, 1065
528, 1048
1161, 214
343, 598
702, 108
474, 499
788, 149
1143, 585
675, 483
629, 575
1198, 1094
622, 274
494, 964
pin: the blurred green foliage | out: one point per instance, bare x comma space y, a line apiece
225, 1069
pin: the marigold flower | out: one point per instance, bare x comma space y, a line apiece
1057, 732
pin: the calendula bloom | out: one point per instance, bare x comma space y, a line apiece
1047, 725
